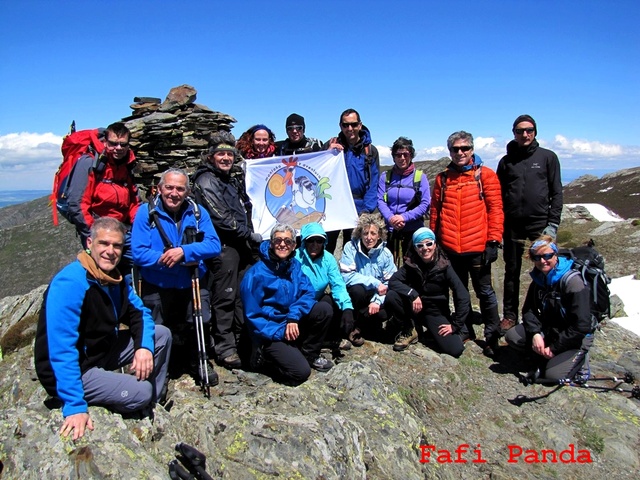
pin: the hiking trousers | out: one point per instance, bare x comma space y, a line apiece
564, 365
123, 392
516, 233
471, 265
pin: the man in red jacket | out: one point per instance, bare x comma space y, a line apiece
106, 191
466, 215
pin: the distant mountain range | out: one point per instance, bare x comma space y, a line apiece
14, 197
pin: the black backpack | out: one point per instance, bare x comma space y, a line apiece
589, 264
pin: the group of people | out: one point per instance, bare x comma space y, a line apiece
271, 305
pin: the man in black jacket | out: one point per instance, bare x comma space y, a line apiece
532, 199
219, 187
297, 142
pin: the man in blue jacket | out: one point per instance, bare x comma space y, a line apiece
170, 240
79, 342
363, 168
286, 323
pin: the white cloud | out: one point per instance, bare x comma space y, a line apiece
29, 160
568, 148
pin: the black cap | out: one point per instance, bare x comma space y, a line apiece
294, 119
525, 118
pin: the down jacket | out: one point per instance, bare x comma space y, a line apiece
466, 214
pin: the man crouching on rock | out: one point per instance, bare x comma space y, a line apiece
79, 341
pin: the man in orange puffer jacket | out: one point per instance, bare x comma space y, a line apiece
466, 215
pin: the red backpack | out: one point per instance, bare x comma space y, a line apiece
74, 145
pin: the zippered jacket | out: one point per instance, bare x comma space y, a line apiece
531, 183
400, 194
432, 283
147, 246
367, 269
466, 212
275, 292
111, 193
78, 326
558, 310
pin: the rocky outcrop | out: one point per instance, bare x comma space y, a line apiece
371, 417
173, 133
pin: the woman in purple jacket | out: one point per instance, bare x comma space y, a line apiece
403, 197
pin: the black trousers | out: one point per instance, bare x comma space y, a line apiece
360, 299
402, 308
225, 274
332, 238
472, 266
516, 233
290, 361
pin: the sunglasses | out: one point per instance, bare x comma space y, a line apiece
115, 144
316, 240
350, 124
546, 256
291, 128
420, 246
464, 148
287, 241
520, 131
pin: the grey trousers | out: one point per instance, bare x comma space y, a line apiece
122, 392
564, 365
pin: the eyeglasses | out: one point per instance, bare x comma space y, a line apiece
280, 240
520, 131
115, 144
316, 240
349, 124
463, 148
292, 128
546, 256
401, 155
420, 246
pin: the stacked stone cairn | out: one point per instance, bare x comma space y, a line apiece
171, 134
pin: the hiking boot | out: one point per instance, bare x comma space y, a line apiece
321, 364
404, 339
507, 324
490, 349
356, 338
232, 361
194, 371
344, 344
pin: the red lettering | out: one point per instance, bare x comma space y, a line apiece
426, 452
570, 452
514, 452
552, 454
462, 448
478, 458
531, 457
444, 456
584, 456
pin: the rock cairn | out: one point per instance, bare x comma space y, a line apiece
173, 133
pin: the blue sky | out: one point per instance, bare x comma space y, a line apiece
421, 69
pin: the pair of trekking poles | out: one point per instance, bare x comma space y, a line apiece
203, 358
628, 378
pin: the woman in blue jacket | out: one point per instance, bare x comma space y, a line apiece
286, 323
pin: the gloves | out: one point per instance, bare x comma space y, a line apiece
347, 322
490, 253
256, 237
551, 230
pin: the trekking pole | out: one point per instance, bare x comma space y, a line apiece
203, 368
195, 458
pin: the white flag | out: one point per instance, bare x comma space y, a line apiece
300, 189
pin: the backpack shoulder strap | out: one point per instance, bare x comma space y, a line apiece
154, 222
417, 179
478, 178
